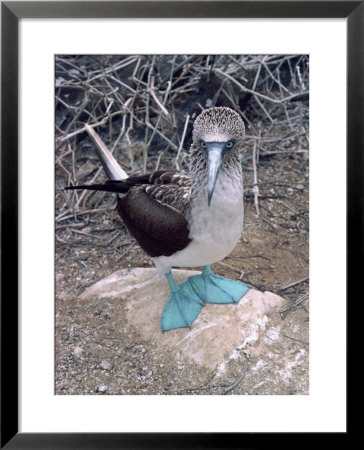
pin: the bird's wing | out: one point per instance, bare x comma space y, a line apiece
172, 189
154, 209
156, 213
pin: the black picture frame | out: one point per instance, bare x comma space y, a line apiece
11, 12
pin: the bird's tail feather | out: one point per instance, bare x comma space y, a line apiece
119, 187
109, 163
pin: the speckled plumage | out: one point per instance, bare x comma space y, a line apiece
173, 189
219, 121
215, 124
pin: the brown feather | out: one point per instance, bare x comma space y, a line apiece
159, 228
154, 209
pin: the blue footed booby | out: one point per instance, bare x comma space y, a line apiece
188, 220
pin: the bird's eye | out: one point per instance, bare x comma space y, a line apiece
203, 144
230, 144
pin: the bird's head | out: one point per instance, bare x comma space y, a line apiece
219, 133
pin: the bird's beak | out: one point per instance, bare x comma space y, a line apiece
215, 154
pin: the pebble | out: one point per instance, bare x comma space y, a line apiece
88, 272
105, 315
74, 71
107, 365
65, 336
59, 81
247, 353
59, 276
102, 388
78, 361
77, 351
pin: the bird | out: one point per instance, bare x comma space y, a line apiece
188, 220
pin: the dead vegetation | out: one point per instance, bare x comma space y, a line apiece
143, 108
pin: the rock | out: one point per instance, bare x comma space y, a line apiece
105, 315
106, 365
88, 272
59, 277
78, 356
219, 335
102, 388
78, 352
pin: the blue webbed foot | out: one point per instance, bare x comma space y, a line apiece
215, 289
182, 308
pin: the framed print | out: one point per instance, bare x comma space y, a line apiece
96, 350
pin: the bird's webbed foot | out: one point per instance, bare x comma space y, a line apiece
182, 308
215, 289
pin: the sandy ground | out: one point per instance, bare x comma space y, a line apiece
99, 352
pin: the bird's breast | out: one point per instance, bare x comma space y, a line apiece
214, 230
217, 228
